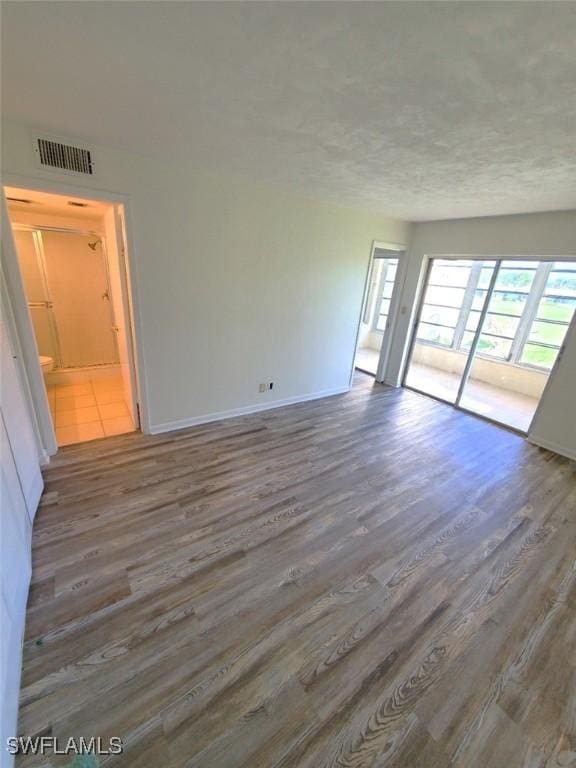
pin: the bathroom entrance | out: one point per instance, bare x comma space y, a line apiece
71, 258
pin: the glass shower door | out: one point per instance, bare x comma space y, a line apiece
77, 280
37, 295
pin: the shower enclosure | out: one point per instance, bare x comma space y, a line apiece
65, 277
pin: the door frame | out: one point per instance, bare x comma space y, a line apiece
23, 324
429, 258
395, 301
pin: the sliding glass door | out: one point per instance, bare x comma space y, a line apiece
528, 314
489, 333
454, 297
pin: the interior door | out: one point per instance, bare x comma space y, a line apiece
78, 284
20, 489
379, 311
15, 571
120, 298
22, 442
16, 524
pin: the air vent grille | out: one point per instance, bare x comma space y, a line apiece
64, 156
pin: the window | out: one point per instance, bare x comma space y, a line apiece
530, 308
507, 304
442, 307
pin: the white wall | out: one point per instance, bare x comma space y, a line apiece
236, 283
539, 234
554, 425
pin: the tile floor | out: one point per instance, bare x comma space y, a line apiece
88, 410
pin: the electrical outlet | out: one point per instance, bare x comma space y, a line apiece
262, 388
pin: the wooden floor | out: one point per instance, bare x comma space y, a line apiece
373, 579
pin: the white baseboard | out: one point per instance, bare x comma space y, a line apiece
551, 446
170, 426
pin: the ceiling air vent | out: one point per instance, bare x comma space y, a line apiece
66, 157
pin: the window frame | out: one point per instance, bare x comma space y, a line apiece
528, 316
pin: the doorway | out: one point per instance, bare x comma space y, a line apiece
71, 259
379, 310
489, 332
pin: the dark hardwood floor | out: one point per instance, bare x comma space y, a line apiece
373, 579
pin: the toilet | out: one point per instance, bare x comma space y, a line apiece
46, 363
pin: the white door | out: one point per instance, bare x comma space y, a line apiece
16, 417
15, 532
15, 526
18, 476
380, 310
119, 289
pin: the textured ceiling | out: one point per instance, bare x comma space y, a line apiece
418, 110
